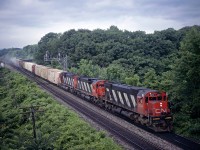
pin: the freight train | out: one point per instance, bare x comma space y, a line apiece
146, 106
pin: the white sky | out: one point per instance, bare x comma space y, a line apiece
24, 22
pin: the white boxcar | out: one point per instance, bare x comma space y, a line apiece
29, 66
54, 75
41, 71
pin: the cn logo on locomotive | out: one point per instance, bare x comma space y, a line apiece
158, 111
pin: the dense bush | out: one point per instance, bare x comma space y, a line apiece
57, 127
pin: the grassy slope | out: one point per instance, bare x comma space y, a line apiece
57, 127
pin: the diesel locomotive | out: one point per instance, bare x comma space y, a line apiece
143, 105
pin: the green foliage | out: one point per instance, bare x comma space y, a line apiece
187, 70
47, 43
185, 125
27, 52
135, 80
186, 85
57, 127
88, 69
5, 51
166, 80
115, 72
102, 47
151, 79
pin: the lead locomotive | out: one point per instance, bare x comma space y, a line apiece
143, 105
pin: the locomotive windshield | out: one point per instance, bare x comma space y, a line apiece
158, 98
155, 97
152, 98
101, 85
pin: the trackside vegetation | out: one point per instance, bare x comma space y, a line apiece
57, 127
164, 60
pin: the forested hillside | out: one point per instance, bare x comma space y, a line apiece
165, 60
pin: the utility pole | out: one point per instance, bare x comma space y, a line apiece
65, 63
32, 111
14, 100
60, 59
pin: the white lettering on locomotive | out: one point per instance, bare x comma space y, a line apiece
158, 111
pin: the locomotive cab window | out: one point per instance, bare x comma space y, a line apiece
101, 85
146, 100
159, 98
152, 98
164, 98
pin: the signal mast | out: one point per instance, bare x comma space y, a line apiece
60, 59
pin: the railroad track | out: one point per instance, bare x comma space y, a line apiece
124, 134
180, 141
128, 137
173, 138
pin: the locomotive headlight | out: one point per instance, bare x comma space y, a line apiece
168, 118
156, 118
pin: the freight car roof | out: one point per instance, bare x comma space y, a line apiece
30, 63
42, 66
26, 60
55, 70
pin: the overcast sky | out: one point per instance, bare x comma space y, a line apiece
24, 22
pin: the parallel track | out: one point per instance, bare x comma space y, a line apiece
179, 141
173, 138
